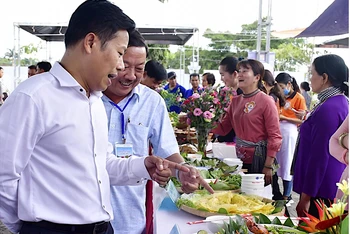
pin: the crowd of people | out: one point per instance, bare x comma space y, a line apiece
64, 132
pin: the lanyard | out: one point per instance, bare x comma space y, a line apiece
122, 117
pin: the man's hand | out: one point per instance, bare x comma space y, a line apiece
191, 180
159, 169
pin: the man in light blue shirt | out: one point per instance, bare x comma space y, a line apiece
146, 121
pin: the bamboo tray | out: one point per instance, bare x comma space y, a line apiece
205, 214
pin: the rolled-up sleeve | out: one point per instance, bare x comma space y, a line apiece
21, 127
272, 125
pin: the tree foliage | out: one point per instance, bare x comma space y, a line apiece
27, 50
159, 53
290, 53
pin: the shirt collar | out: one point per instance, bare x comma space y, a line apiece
136, 91
65, 79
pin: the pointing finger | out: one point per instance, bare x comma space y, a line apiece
177, 166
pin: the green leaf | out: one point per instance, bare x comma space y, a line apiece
276, 221
263, 219
222, 211
289, 223
345, 226
203, 209
279, 205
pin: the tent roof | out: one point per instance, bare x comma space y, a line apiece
336, 43
333, 21
153, 35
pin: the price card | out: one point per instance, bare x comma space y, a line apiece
172, 191
123, 150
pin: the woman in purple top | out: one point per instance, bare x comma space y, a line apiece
316, 172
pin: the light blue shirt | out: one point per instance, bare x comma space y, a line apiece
146, 120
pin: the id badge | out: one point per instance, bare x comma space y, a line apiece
123, 150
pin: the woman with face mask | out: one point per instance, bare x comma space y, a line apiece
289, 122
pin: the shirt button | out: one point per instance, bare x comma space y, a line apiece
99, 181
81, 90
138, 181
95, 155
103, 206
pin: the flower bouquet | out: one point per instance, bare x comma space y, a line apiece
204, 109
332, 219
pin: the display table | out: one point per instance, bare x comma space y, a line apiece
167, 215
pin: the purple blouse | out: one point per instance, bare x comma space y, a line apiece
316, 172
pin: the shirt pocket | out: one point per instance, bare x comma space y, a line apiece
137, 135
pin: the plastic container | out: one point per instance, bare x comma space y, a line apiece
252, 186
224, 150
256, 192
233, 162
253, 177
194, 157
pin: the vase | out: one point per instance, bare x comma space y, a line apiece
202, 140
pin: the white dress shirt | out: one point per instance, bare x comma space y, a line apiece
54, 163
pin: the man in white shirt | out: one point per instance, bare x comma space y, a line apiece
143, 110
55, 170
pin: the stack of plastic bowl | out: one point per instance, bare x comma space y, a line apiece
234, 162
253, 184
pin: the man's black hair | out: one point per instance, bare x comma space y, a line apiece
155, 70
137, 40
100, 17
46, 66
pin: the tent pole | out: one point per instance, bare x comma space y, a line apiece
268, 31
258, 44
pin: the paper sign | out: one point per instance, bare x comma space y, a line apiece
123, 150
172, 191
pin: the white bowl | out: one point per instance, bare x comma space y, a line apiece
217, 222
194, 157
253, 177
254, 187
257, 192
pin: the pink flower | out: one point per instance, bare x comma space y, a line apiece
195, 96
225, 109
198, 112
215, 100
188, 121
178, 98
208, 115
